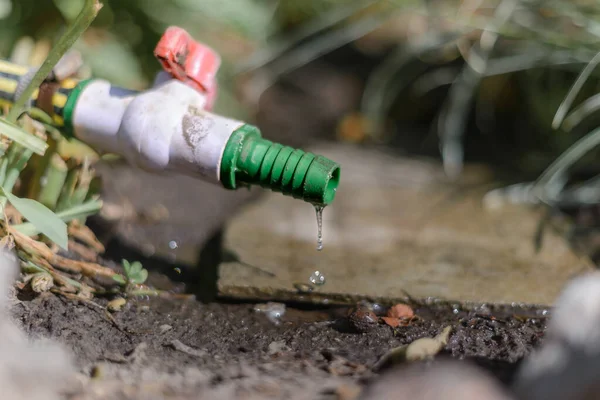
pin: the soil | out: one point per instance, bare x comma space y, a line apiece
181, 348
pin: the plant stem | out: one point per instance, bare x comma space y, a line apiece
39, 166
81, 23
5, 160
69, 186
144, 292
18, 134
15, 168
55, 178
83, 184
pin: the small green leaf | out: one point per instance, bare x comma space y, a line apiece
42, 217
126, 266
25, 139
135, 268
119, 279
140, 277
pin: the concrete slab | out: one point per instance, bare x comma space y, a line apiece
397, 226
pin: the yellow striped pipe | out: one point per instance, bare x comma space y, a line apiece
11, 74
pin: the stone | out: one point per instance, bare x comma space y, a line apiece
397, 226
567, 363
443, 380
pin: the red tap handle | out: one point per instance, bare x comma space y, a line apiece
189, 61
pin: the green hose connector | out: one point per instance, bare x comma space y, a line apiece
250, 159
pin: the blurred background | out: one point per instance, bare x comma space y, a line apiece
511, 84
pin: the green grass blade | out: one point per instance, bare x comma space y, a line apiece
25, 139
42, 217
574, 91
86, 209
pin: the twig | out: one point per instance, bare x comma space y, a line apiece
95, 306
40, 249
85, 235
184, 348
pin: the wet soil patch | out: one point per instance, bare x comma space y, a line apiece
178, 334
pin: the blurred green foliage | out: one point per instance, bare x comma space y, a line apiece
462, 46
119, 45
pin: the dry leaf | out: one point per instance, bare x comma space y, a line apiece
391, 321
400, 311
419, 349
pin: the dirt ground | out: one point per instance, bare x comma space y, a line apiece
183, 349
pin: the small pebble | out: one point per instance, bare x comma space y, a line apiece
448, 380
116, 304
565, 365
42, 282
303, 287
165, 328
362, 319
278, 347
379, 309
97, 371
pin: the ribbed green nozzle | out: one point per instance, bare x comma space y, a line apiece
250, 159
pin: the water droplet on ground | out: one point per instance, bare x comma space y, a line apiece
317, 278
543, 313
173, 244
273, 311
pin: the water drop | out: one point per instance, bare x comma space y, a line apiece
542, 313
319, 211
173, 244
317, 278
178, 270
273, 311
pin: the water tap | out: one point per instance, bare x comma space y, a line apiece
171, 127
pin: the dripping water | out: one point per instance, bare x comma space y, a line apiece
317, 278
319, 211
